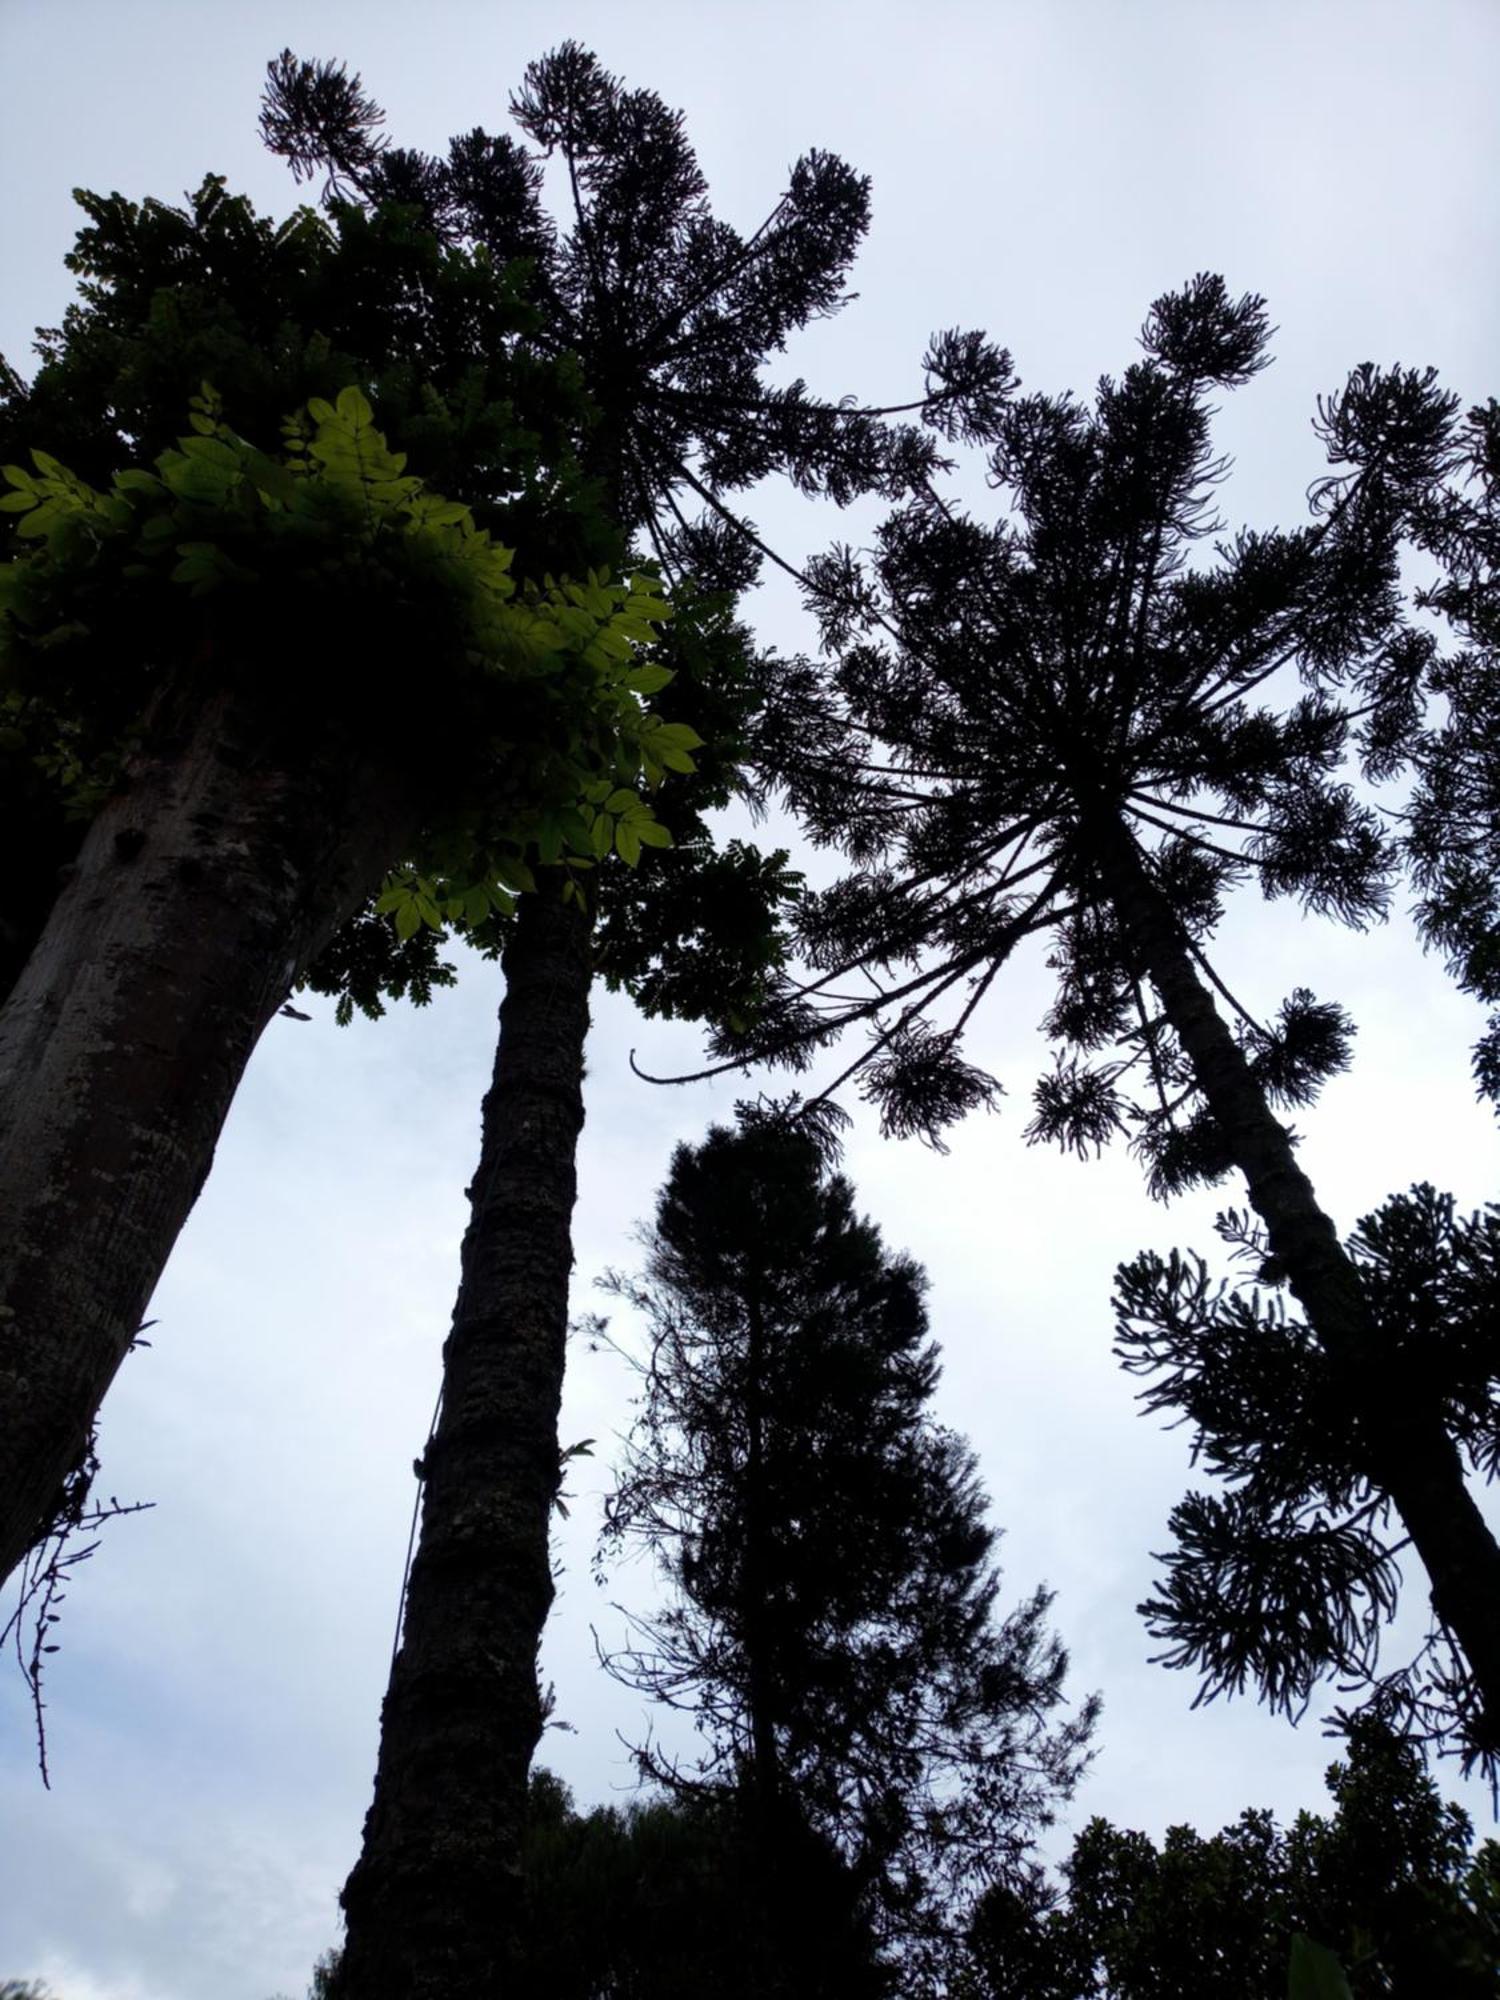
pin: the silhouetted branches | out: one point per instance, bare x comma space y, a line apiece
1287, 1576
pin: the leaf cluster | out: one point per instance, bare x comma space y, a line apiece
302, 576
440, 338
700, 933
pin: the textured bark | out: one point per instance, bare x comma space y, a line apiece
1412, 1458
200, 892
431, 1902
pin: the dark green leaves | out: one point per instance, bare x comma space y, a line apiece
1315, 1973
335, 533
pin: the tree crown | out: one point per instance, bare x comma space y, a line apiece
1015, 700
834, 1621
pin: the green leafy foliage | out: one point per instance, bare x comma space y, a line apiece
1314, 1973
225, 549
698, 934
441, 339
442, 342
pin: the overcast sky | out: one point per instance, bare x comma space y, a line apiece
1042, 170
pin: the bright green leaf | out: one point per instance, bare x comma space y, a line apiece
649, 678
353, 408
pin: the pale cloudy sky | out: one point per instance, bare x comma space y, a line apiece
1041, 170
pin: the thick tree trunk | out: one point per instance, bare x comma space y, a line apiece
200, 892
1412, 1458
431, 1902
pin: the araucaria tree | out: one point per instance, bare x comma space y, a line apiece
832, 1621
1087, 736
667, 315
1286, 1575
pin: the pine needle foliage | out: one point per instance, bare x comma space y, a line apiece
1087, 722
1098, 676
1452, 834
668, 312
1285, 1573
833, 1622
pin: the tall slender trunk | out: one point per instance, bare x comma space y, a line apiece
1411, 1456
200, 892
765, 1760
431, 1901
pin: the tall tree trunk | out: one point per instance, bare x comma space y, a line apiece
765, 1757
200, 892
1411, 1456
431, 1901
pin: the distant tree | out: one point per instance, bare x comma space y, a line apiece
1287, 1574
668, 316
1069, 724
1389, 1883
657, 1900
321, 1985
832, 1625
666, 1897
